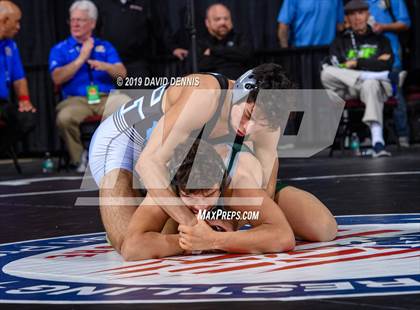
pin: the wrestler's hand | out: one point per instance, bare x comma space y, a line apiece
199, 237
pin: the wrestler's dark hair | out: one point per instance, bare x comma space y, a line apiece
270, 76
196, 166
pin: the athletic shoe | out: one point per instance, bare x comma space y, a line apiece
83, 162
379, 151
81, 168
404, 142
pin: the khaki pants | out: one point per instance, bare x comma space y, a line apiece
73, 110
346, 83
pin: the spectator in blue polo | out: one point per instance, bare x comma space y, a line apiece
84, 67
391, 17
309, 23
19, 118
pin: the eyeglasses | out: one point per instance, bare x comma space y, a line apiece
78, 20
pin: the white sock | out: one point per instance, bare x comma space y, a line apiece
369, 75
376, 133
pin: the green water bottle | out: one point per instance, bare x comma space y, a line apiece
47, 164
355, 144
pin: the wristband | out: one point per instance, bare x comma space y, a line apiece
23, 98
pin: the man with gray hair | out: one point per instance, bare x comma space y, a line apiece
84, 68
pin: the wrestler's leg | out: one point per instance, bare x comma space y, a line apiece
118, 201
307, 215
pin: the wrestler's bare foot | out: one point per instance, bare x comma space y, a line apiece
118, 201
309, 218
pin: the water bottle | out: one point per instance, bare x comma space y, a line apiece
355, 144
47, 164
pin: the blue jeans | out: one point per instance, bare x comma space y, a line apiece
400, 114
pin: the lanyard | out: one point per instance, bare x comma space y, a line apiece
89, 69
90, 74
353, 42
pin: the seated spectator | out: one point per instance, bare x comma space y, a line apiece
84, 67
19, 118
359, 57
309, 23
221, 49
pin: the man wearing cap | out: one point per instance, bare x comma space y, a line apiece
84, 67
360, 61
20, 118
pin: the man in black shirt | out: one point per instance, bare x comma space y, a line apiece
133, 27
222, 50
360, 61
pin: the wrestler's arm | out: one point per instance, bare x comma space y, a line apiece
192, 112
271, 186
270, 233
144, 239
265, 148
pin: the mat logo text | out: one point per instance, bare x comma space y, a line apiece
372, 255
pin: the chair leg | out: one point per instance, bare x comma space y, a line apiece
63, 158
13, 155
343, 146
60, 160
344, 130
331, 151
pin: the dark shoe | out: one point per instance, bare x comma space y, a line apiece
379, 151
